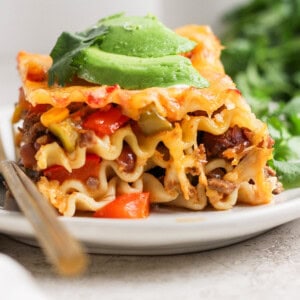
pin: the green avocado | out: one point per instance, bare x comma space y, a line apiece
133, 52
97, 66
141, 37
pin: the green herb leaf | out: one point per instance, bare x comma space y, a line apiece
262, 55
288, 172
65, 50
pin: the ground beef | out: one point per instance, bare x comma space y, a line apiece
127, 159
216, 173
221, 186
198, 113
86, 138
27, 153
278, 188
233, 137
93, 183
32, 128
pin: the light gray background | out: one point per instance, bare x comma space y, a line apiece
35, 24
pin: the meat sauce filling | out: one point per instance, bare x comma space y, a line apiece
234, 137
34, 135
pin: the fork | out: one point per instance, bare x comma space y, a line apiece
62, 250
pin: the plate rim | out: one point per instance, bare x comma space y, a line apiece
139, 237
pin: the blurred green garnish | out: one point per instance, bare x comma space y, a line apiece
262, 55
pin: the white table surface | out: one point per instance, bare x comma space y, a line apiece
265, 267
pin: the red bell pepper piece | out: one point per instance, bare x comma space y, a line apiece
89, 169
126, 206
105, 122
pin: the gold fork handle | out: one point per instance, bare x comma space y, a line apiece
63, 251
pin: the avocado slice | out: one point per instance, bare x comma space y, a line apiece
129, 72
141, 37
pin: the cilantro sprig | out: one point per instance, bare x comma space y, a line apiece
67, 47
262, 55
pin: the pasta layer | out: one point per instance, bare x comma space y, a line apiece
214, 151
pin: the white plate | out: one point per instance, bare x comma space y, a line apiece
166, 231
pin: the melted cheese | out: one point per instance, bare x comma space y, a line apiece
214, 109
173, 103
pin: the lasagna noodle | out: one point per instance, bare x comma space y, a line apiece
213, 110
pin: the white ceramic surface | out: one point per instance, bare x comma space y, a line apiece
166, 231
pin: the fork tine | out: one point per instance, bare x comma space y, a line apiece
2, 152
2, 192
63, 251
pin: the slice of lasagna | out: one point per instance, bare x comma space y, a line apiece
184, 144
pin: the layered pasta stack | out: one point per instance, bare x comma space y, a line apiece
185, 146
